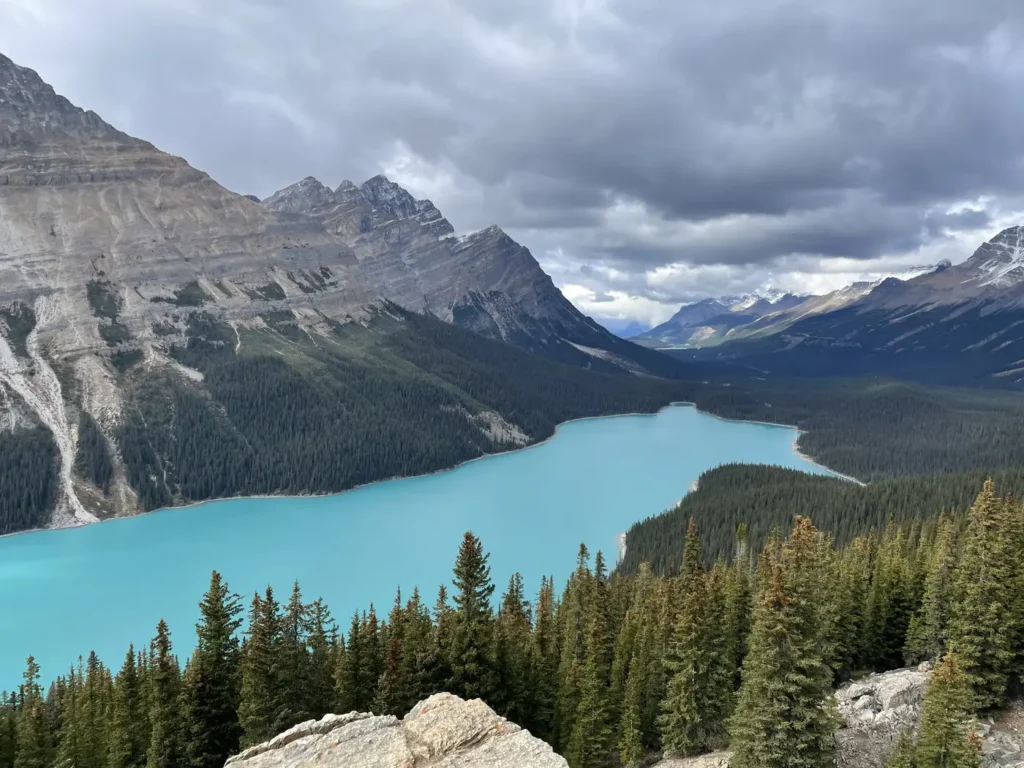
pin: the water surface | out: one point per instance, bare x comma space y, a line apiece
64, 593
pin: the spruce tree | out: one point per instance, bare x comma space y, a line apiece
946, 739
33, 743
351, 695
513, 697
926, 638
293, 664
544, 664
322, 636
982, 622
591, 734
471, 656
165, 748
211, 689
785, 713
392, 688
572, 621
128, 738
903, 755
258, 705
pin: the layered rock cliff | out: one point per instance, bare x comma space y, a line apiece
123, 269
441, 732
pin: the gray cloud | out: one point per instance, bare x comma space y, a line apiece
734, 138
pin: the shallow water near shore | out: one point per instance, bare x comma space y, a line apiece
100, 587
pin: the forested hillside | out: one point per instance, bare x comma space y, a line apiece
762, 499
608, 670
276, 410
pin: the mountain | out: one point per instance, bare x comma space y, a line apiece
957, 324
703, 322
484, 281
625, 329
164, 340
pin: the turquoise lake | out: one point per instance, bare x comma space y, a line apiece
66, 592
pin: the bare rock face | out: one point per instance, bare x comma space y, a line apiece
876, 710
443, 731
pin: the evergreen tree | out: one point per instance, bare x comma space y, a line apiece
392, 690
165, 748
591, 734
322, 637
471, 657
33, 745
685, 727
258, 705
903, 756
293, 665
211, 690
572, 622
513, 697
982, 622
544, 663
926, 638
946, 739
128, 737
785, 714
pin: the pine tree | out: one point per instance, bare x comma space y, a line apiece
683, 725
33, 744
544, 664
391, 691
417, 653
211, 689
165, 749
258, 704
128, 738
982, 623
322, 636
946, 739
293, 665
785, 713
513, 697
926, 638
471, 657
903, 756
572, 621
439, 666
890, 601
591, 733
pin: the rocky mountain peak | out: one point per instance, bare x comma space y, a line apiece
31, 111
999, 263
388, 197
301, 197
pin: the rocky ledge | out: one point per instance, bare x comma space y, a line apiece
443, 731
876, 709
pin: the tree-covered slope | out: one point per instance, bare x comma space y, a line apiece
764, 498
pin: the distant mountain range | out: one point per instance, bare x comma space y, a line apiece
951, 324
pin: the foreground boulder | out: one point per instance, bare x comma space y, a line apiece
443, 731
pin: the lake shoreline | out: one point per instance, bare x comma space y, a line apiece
675, 404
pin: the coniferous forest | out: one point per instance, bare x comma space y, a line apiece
610, 668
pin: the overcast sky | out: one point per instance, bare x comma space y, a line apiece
648, 152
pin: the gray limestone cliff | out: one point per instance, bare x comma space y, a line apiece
113, 254
443, 731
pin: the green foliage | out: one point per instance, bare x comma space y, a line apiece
766, 498
210, 695
784, 716
28, 479
983, 617
946, 739
471, 654
92, 459
165, 744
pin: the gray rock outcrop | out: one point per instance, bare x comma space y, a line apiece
876, 709
443, 731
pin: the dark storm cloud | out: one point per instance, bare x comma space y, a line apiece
633, 133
